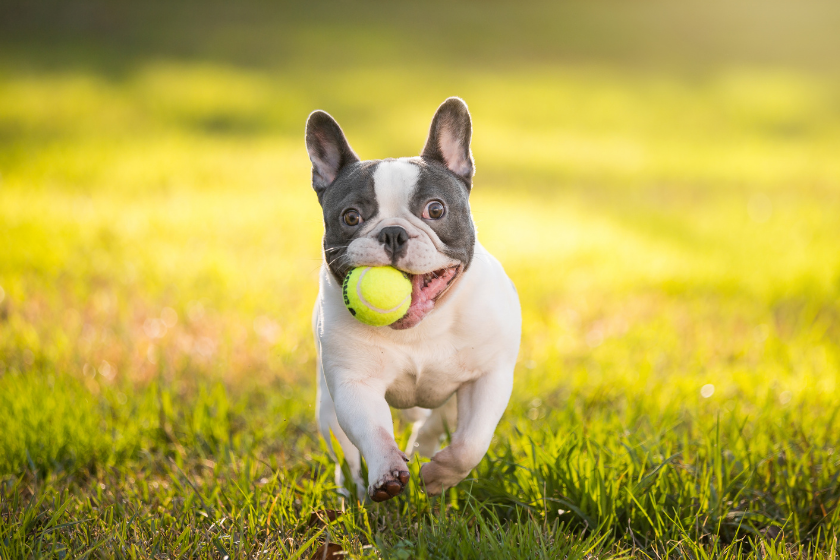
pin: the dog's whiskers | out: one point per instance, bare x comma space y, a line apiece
338, 258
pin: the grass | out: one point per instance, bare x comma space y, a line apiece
660, 182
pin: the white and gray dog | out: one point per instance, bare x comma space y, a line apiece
449, 361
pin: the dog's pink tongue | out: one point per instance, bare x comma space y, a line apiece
423, 297
421, 304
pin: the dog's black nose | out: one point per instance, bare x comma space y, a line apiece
395, 240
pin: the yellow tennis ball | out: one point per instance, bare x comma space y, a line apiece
377, 295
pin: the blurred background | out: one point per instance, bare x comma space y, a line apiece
660, 179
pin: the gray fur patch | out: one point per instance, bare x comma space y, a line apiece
455, 229
353, 188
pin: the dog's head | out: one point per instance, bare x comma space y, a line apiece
409, 213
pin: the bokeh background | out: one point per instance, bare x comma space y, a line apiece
660, 179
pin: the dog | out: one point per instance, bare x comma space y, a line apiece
450, 360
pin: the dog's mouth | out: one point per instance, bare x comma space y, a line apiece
426, 290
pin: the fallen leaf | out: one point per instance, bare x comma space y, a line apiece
320, 517
331, 552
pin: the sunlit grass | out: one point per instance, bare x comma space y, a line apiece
673, 238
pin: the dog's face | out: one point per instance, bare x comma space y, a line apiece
409, 213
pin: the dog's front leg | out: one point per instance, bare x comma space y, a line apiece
481, 404
365, 417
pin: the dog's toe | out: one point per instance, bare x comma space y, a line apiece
380, 496
392, 486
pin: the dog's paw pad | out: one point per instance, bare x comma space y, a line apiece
391, 486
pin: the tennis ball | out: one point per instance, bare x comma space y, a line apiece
377, 295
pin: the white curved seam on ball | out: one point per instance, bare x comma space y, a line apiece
369, 304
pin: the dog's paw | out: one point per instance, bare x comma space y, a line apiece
446, 469
393, 478
389, 485
436, 479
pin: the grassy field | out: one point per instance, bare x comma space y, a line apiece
660, 180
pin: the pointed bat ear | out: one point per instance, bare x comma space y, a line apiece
449, 139
328, 150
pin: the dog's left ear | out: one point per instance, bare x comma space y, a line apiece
449, 139
328, 150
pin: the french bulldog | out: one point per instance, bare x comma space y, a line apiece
449, 361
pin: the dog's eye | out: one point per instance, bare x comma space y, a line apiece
434, 210
352, 218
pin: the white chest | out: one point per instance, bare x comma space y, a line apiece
476, 329
427, 379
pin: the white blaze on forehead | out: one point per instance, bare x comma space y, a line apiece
394, 182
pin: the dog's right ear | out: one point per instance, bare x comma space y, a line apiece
328, 150
449, 139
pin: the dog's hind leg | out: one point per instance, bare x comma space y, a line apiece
417, 416
425, 439
327, 423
